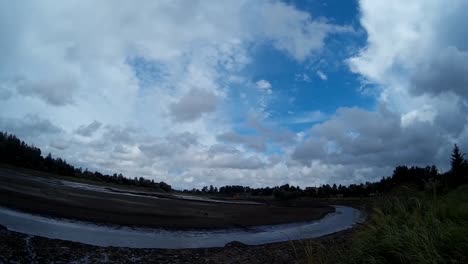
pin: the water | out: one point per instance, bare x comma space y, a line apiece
120, 236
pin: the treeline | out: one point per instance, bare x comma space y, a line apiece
423, 178
14, 151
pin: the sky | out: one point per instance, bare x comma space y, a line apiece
257, 93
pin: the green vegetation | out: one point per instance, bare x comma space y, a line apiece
407, 227
421, 218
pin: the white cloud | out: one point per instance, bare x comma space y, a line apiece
307, 117
413, 49
74, 62
302, 77
264, 86
294, 31
415, 58
322, 75
74, 67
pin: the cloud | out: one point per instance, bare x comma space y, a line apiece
230, 161
322, 75
193, 105
79, 62
446, 72
88, 130
60, 145
302, 77
157, 149
373, 139
306, 117
54, 92
250, 141
119, 134
172, 144
184, 139
272, 132
415, 59
262, 134
5, 94
294, 31
264, 85
29, 126
414, 50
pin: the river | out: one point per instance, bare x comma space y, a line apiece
121, 236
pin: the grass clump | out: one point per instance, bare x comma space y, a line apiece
407, 228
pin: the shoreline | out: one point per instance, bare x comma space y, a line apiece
119, 236
136, 211
162, 228
18, 247
47, 198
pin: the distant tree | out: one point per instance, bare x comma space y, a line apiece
165, 187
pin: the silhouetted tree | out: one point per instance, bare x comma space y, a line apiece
458, 169
15, 152
457, 160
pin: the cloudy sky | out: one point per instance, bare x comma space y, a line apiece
255, 93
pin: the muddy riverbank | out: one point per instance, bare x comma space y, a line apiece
53, 197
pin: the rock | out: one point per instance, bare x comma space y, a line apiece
3, 228
235, 244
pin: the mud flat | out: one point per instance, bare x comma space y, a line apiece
50, 196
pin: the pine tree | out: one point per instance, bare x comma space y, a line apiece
457, 163
457, 160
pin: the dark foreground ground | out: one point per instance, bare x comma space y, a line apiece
49, 195
46, 195
20, 248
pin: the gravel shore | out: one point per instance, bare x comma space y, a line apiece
19, 248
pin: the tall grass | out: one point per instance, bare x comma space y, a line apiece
407, 228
